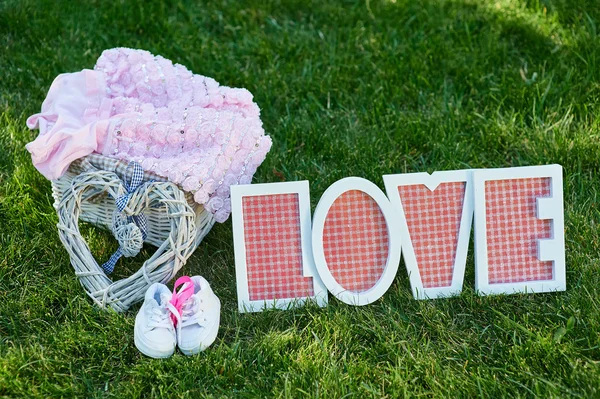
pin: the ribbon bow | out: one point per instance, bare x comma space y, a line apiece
140, 220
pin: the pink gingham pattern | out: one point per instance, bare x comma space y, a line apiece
433, 219
512, 230
274, 247
355, 241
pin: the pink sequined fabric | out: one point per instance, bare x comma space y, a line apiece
137, 107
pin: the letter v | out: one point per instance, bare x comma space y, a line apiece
436, 213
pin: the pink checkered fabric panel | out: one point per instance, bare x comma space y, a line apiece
355, 241
513, 230
274, 247
433, 219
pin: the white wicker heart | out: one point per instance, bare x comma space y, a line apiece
176, 225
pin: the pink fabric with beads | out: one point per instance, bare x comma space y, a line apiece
137, 107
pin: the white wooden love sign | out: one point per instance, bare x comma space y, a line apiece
358, 233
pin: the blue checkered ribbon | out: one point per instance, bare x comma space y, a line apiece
140, 220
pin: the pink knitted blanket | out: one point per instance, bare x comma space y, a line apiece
137, 107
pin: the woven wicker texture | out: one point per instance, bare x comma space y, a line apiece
176, 225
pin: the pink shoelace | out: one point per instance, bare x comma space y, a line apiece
179, 298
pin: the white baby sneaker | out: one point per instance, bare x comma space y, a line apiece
154, 333
200, 317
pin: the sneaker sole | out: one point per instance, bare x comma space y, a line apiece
204, 344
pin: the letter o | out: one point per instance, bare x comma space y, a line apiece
356, 241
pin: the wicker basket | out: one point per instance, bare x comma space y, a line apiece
176, 225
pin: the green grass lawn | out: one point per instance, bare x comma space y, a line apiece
346, 88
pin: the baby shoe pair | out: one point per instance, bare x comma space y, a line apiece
188, 319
